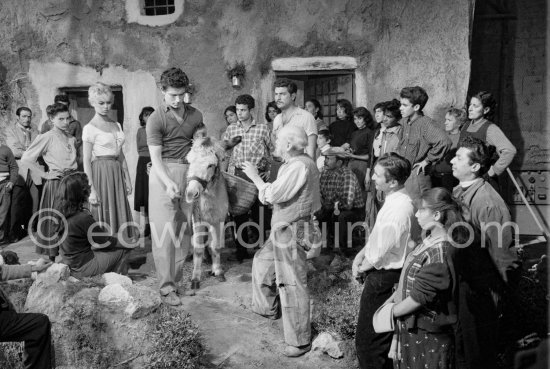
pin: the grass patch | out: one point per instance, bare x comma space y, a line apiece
175, 341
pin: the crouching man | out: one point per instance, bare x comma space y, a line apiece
279, 270
33, 329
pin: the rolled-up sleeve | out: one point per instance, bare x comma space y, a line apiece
287, 184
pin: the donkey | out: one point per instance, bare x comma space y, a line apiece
207, 191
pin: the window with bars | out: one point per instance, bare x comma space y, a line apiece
158, 7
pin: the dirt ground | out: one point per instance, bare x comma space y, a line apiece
234, 336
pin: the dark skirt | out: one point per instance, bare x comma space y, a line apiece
113, 209
141, 193
425, 350
45, 238
359, 168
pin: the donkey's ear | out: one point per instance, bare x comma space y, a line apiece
229, 144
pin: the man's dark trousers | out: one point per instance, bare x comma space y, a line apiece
35, 331
372, 348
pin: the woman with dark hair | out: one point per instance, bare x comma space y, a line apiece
58, 149
271, 111
424, 303
342, 128
360, 147
315, 108
481, 111
141, 196
87, 249
230, 115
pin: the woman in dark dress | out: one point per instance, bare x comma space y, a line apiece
481, 112
141, 196
342, 128
425, 300
360, 147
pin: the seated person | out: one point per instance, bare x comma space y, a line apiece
341, 197
87, 247
32, 328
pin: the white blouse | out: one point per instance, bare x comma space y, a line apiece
103, 143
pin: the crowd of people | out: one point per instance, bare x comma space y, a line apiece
436, 279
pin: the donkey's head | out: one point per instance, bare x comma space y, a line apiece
204, 159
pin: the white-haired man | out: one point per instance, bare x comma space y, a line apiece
279, 271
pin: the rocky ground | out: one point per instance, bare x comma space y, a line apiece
233, 336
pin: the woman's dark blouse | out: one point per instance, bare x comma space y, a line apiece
77, 249
361, 141
341, 131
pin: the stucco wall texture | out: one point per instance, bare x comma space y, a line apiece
396, 44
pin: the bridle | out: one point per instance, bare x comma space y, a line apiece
202, 181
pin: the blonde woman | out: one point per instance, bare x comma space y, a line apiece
105, 165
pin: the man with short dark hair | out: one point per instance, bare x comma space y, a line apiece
488, 264
285, 98
26, 191
170, 131
340, 185
422, 142
380, 262
74, 129
254, 148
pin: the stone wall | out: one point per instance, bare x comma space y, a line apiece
61, 43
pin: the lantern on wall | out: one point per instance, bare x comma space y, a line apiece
236, 75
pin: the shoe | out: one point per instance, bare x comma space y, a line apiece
293, 351
171, 299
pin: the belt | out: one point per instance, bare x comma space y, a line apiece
173, 160
106, 157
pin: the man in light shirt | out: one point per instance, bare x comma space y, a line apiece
279, 269
285, 98
379, 263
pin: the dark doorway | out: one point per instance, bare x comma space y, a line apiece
82, 109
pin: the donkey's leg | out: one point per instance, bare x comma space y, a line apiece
215, 250
199, 241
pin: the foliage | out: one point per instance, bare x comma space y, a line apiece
239, 70
336, 304
175, 341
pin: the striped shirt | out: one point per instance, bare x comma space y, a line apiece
341, 185
254, 147
422, 140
